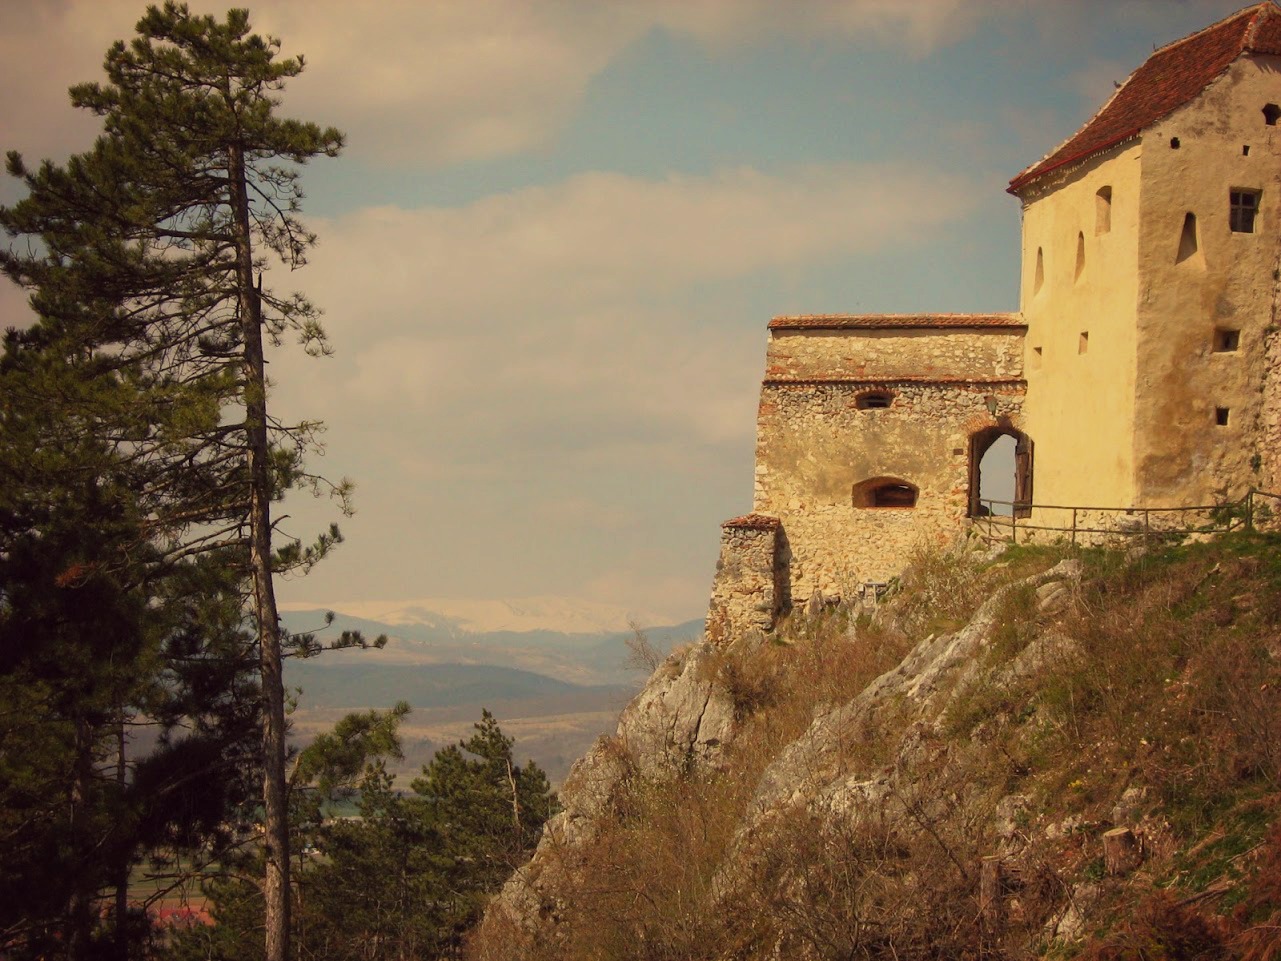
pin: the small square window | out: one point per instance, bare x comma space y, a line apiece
1083, 345
1245, 150
1221, 416
1226, 340
1242, 210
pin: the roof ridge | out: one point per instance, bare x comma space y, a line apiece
1162, 83
1264, 8
1250, 11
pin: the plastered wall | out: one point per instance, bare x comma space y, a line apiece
1080, 411
1183, 454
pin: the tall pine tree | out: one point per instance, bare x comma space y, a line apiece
151, 250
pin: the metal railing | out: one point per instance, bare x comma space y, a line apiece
1258, 508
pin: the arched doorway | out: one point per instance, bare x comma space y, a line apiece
1001, 470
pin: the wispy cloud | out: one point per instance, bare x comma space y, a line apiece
441, 82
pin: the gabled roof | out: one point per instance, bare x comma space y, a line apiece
890, 321
1168, 79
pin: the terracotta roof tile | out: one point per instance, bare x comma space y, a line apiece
1166, 81
874, 321
762, 522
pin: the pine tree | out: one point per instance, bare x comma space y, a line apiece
98, 633
150, 255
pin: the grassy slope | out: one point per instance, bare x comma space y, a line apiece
1148, 697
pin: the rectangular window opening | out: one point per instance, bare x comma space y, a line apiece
1226, 340
1083, 345
1243, 208
1221, 416
1036, 357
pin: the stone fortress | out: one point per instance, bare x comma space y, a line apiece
1142, 371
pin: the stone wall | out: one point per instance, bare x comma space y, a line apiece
750, 587
890, 352
815, 446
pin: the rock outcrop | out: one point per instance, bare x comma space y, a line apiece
992, 791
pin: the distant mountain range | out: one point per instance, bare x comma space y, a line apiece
562, 615
419, 635
554, 689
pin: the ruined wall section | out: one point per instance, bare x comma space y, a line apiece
1204, 401
750, 589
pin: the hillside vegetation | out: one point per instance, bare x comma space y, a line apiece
936, 780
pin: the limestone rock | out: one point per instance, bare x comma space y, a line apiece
687, 717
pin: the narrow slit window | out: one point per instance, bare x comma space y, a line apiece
1226, 340
1083, 344
1243, 208
1036, 358
1039, 278
1188, 244
1221, 416
1103, 210
1270, 114
1080, 256
1245, 150
1175, 143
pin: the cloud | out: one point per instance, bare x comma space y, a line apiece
583, 289
558, 385
441, 82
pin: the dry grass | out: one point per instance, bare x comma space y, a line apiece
1167, 678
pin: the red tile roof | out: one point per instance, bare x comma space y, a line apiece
1167, 80
875, 321
760, 522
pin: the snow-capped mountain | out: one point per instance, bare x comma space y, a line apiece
561, 615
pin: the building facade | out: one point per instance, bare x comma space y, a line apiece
1142, 370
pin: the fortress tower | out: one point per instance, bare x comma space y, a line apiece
1142, 370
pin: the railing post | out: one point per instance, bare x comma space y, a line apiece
1249, 509
1074, 527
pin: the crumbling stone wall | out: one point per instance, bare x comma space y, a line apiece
750, 587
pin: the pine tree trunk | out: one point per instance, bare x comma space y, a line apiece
276, 840
122, 869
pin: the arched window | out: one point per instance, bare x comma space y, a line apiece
1005, 478
1188, 246
885, 492
1103, 210
874, 400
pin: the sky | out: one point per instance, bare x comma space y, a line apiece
551, 246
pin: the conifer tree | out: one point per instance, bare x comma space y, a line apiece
150, 255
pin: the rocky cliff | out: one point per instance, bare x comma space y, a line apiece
1011, 755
